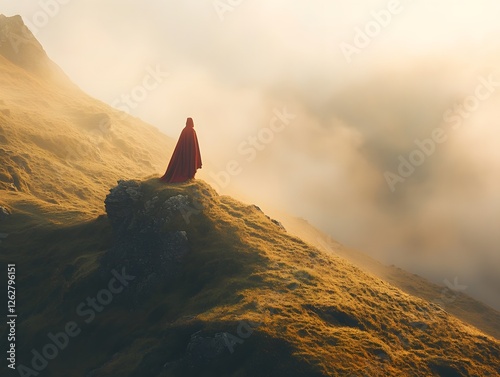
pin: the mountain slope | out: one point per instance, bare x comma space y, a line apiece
59, 148
237, 295
19, 46
453, 301
218, 288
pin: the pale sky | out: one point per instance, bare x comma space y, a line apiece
231, 67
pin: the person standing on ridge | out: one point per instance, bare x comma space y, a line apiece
186, 158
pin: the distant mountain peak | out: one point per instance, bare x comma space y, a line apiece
15, 20
20, 46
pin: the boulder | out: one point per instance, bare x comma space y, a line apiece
203, 350
142, 242
4, 213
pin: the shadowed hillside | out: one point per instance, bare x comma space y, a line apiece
218, 288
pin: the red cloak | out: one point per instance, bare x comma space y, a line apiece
186, 158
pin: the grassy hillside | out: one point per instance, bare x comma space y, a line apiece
247, 299
60, 149
255, 299
457, 303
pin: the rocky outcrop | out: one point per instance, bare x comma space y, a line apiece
143, 243
203, 350
275, 222
4, 213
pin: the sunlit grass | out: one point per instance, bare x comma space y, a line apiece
316, 313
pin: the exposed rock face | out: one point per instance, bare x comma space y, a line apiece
142, 243
202, 350
4, 213
275, 222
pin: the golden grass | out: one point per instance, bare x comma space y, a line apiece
336, 316
60, 147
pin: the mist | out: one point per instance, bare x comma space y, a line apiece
385, 137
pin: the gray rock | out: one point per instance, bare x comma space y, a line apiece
203, 350
4, 213
175, 203
120, 201
276, 222
142, 242
419, 325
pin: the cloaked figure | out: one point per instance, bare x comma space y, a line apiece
186, 158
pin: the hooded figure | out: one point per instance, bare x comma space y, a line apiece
186, 158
